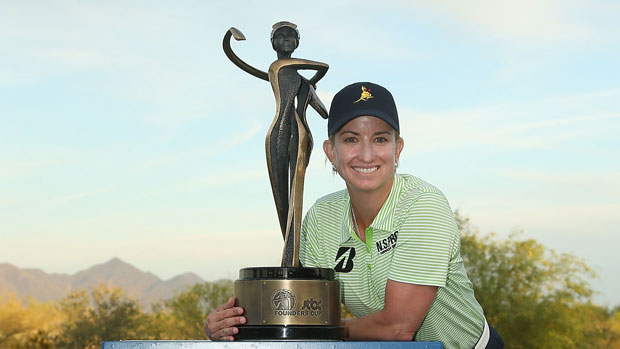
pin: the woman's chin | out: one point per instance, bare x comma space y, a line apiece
366, 185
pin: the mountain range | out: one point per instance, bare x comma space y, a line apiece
145, 286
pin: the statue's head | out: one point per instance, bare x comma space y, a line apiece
284, 37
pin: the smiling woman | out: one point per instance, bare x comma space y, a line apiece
391, 238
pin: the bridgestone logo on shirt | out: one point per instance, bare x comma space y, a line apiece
345, 264
385, 245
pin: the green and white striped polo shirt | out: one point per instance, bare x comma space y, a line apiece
414, 239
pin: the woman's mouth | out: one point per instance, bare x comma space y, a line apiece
366, 169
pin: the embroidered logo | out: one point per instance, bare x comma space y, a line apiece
365, 95
345, 264
387, 244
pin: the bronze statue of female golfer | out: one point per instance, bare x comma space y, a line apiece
289, 142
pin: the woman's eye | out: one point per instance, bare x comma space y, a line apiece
380, 139
349, 139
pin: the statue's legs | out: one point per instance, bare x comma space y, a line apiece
290, 256
277, 149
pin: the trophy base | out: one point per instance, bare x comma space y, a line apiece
285, 303
290, 333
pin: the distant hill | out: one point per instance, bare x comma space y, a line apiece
42, 286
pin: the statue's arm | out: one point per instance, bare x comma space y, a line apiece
316, 104
305, 64
236, 60
321, 70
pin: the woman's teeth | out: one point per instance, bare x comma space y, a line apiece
365, 169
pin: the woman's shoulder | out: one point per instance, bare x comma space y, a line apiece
335, 198
329, 207
414, 186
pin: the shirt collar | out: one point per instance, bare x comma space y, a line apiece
384, 219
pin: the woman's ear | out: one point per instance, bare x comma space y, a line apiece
400, 144
328, 148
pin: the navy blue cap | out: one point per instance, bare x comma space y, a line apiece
362, 99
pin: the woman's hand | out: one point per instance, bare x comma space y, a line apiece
221, 324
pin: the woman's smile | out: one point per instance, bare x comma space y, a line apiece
366, 169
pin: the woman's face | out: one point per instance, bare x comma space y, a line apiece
364, 152
285, 40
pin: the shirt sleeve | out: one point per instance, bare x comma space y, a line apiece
308, 246
425, 242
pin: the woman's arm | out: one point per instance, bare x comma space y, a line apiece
405, 308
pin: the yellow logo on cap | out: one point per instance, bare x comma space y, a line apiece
365, 95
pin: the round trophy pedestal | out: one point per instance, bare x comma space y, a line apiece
284, 303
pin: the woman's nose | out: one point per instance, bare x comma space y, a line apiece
366, 152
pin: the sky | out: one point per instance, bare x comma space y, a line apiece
126, 132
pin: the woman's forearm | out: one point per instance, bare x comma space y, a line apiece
377, 326
405, 308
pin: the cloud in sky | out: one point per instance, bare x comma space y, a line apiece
545, 124
528, 21
78, 196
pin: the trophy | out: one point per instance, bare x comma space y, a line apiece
289, 302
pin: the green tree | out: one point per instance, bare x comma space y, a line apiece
608, 325
535, 297
182, 317
13, 319
104, 314
26, 323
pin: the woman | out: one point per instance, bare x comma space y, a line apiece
390, 237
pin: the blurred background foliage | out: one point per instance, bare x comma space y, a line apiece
535, 297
